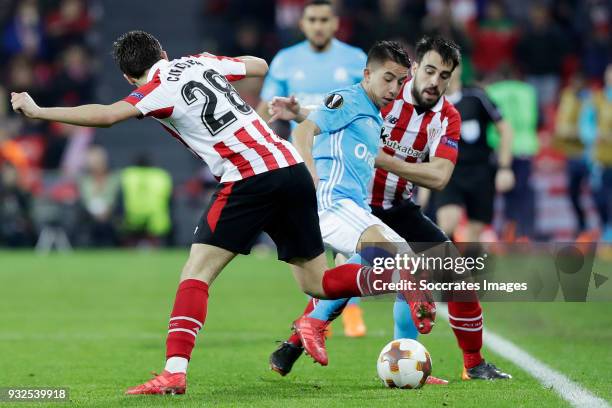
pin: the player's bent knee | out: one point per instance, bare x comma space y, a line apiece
309, 274
205, 262
315, 291
312, 286
378, 237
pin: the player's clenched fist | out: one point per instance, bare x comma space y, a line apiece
23, 103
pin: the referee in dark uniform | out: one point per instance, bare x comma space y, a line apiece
478, 173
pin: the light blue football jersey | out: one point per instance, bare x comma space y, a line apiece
310, 75
345, 150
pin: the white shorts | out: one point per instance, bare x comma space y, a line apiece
343, 223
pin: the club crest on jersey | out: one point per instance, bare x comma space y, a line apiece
433, 132
334, 101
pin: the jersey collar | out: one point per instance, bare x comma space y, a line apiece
367, 98
407, 96
159, 64
332, 45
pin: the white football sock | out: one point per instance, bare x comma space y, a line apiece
177, 365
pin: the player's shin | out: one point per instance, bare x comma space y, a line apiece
403, 327
186, 320
328, 310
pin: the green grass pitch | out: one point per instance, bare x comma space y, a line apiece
96, 322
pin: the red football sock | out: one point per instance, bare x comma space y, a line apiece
353, 280
187, 318
295, 339
466, 320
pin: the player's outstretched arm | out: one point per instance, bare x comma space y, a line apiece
303, 137
433, 174
262, 110
284, 108
85, 115
255, 67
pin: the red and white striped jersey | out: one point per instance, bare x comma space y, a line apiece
412, 136
193, 99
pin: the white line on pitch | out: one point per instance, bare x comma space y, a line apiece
573, 393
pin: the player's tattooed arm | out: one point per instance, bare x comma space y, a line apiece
284, 108
255, 67
85, 115
433, 174
303, 137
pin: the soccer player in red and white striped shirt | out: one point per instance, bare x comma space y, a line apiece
264, 184
419, 146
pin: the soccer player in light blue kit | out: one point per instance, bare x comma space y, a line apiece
348, 128
312, 68
308, 71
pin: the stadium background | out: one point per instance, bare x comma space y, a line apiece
94, 321
59, 51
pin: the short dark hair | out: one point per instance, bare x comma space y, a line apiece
448, 49
135, 52
388, 51
318, 3
309, 3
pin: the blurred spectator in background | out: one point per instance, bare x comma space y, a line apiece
68, 24
223, 17
567, 139
74, 83
146, 201
517, 102
494, 39
99, 199
23, 77
11, 151
47, 57
16, 228
48, 49
594, 37
20, 148
540, 53
287, 17
24, 33
389, 20
599, 110
444, 21
61, 140
247, 39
